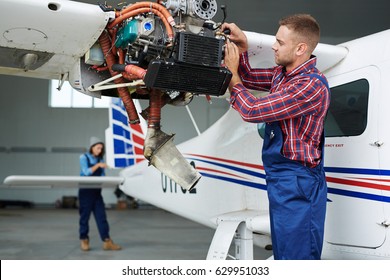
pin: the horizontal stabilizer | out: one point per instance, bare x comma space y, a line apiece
63, 181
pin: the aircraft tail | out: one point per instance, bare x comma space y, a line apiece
124, 142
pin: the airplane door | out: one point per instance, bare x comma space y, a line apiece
354, 206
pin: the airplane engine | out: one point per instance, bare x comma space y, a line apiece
165, 52
176, 42
190, 60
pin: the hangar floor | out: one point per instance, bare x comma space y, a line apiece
146, 233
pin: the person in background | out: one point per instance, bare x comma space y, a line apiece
91, 200
294, 113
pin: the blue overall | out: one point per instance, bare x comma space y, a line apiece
91, 200
297, 200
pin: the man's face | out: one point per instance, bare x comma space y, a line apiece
284, 47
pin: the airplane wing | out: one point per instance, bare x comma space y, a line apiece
50, 37
261, 53
63, 181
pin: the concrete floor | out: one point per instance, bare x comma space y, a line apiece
146, 233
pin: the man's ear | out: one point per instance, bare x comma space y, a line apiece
301, 49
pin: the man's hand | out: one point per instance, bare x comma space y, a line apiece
232, 60
236, 35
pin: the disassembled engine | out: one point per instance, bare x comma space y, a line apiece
164, 51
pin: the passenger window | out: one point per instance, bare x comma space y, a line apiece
347, 115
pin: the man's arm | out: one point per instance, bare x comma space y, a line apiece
300, 98
236, 59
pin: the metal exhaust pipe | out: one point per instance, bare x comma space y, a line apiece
163, 155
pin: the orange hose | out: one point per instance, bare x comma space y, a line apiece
124, 94
146, 112
113, 38
132, 13
125, 75
149, 5
135, 70
99, 69
129, 77
154, 116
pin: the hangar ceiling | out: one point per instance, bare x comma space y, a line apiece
340, 21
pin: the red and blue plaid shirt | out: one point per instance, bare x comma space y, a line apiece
298, 102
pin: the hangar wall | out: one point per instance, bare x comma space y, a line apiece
38, 140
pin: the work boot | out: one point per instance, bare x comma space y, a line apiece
84, 244
109, 245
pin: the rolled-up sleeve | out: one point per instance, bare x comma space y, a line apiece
254, 78
84, 169
303, 96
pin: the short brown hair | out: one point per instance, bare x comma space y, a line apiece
305, 26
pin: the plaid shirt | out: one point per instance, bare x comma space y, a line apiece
298, 102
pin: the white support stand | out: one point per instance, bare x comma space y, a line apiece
222, 239
243, 239
243, 243
240, 225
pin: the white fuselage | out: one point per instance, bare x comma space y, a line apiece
228, 155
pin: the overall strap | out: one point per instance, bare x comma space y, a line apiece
319, 77
325, 82
89, 162
98, 171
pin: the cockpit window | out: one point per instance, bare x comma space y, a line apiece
347, 115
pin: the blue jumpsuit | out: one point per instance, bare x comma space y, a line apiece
297, 200
91, 200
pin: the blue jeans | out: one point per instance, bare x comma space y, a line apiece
91, 200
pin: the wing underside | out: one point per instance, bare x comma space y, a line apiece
63, 181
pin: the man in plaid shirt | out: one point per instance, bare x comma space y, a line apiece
294, 112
